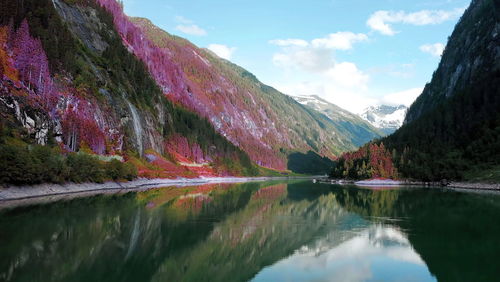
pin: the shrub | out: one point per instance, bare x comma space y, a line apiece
23, 164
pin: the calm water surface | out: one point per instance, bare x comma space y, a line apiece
273, 231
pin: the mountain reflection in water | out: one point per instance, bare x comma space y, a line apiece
272, 231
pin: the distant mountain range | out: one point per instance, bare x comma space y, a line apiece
386, 118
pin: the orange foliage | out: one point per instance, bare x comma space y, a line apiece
6, 62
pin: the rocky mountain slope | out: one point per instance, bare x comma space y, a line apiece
384, 117
349, 124
452, 131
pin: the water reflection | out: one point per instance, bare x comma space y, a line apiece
376, 253
292, 231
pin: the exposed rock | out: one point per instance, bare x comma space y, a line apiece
84, 22
36, 123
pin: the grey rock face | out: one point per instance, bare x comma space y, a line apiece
37, 124
83, 22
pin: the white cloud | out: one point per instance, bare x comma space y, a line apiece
342, 40
314, 56
192, 29
347, 74
380, 20
342, 83
308, 59
339, 40
222, 51
435, 50
406, 97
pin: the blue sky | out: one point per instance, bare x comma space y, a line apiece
354, 53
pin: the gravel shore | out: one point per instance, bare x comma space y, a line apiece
475, 186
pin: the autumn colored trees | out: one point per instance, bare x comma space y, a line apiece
23, 59
370, 161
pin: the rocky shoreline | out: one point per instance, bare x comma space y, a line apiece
45, 193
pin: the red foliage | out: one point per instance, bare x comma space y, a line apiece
381, 161
377, 159
80, 128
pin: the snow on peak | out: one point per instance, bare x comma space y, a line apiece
384, 117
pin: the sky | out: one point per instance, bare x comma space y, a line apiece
353, 53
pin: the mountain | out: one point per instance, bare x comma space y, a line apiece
386, 118
77, 105
100, 96
347, 123
265, 123
452, 131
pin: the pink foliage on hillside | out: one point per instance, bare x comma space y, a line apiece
180, 145
59, 101
31, 62
187, 78
81, 129
167, 74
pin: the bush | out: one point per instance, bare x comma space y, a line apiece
16, 165
23, 164
85, 168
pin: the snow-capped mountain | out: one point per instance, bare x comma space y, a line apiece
386, 118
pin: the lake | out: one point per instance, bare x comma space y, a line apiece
264, 231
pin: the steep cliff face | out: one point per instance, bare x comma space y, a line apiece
473, 49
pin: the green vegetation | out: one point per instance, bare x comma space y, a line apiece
310, 163
199, 131
490, 174
460, 134
23, 164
